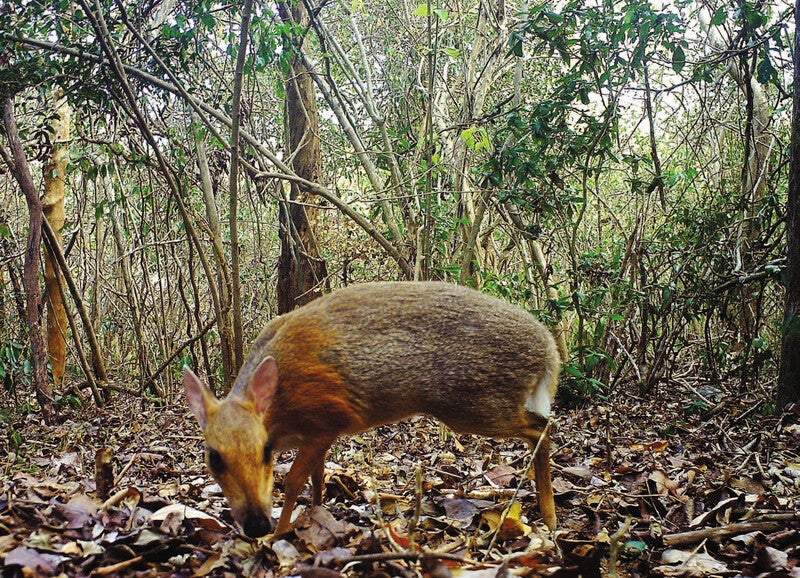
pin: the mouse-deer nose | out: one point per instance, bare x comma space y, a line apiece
257, 525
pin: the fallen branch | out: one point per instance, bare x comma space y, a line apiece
694, 536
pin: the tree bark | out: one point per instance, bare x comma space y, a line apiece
55, 172
98, 365
233, 216
18, 165
301, 269
789, 376
224, 281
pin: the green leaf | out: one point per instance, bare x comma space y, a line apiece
5, 231
765, 70
422, 11
678, 59
100, 209
208, 20
476, 138
719, 16
755, 18
451, 52
443, 14
554, 17
515, 44
635, 547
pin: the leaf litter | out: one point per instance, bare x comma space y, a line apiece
643, 488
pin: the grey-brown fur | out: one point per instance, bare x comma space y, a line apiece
431, 346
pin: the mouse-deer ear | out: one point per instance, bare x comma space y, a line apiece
200, 398
264, 384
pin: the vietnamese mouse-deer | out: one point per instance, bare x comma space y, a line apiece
368, 355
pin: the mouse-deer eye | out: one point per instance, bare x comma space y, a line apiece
267, 454
215, 461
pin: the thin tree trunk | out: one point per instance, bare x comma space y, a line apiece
84, 363
236, 290
758, 141
55, 172
18, 165
543, 269
224, 283
789, 377
130, 103
537, 255
16, 286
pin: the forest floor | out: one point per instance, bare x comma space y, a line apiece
692, 481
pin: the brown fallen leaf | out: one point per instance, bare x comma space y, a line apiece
320, 530
663, 484
500, 476
681, 563
36, 561
212, 563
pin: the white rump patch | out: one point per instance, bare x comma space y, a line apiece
539, 401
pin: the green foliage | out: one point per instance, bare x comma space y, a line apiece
638, 249
16, 370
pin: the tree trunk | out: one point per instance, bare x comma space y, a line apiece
233, 215
224, 282
18, 165
98, 365
301, 270
789, 377
55, 172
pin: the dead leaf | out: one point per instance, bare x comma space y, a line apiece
658, 446
30, 558
213, 562
581, 472
513, 526
717, 511
320, 530
663, 484
286, 552
178, 512
461, 510
770, 559
680, 563
500, 476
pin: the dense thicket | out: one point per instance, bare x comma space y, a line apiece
618, 168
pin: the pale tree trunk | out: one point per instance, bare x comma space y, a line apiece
97, 363
758, 146
18, 166
55, 173
224, 283
301, 270
789, 377
485, 61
